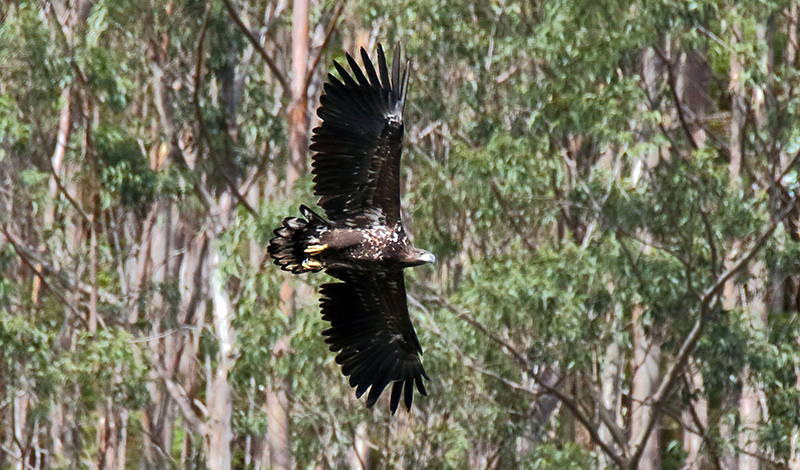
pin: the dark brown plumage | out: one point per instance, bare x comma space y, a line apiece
356, 171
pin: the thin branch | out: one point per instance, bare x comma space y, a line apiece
198, 73
788, 167
257, 45
145, 339
687, 346
201, 122
467, 360
328, 34
701, 430
37, 270
570, 402
86, 218
178, 393
675, 98
238, 195
31, 258
711, 244
510, 217
605, 415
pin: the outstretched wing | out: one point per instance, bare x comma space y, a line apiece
373, 334
357, 164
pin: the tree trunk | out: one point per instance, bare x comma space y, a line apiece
738, 111
750, 399
611, 379
298, 121
277, 397
646, 367
696, 421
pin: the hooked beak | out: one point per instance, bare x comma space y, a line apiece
427, 257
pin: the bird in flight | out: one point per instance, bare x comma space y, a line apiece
362, 243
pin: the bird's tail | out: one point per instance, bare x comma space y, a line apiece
295, 241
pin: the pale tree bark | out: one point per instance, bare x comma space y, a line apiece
750, 411
68, 16
695, 420
750, 400
794, 439
612, 371
730, 294
122, 419
220, 401
155, 271
277, 395
298, 118
90, 156
738, 111
792, 44
56, 162
20, 411
692, 89
730, 299
646, 373
645, 364
64, 130
278, 438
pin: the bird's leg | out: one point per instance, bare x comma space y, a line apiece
314, 250
311, 263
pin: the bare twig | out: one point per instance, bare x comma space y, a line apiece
285, 88
568, 401
57, 180
605, 415
675, 98
32, 259
687, 346
328, 33
510, 217
35, 266
711, 244
181, 397
201, 122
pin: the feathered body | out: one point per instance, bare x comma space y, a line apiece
356, 171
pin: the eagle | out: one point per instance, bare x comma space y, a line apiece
362, 243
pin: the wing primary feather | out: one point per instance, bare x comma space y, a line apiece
334, 84
404, 87
376, 391
420, 385
348, 80
396, 73
397, 388
378, 99
363, 373
370, 69
384, 71
409, 393
359, 75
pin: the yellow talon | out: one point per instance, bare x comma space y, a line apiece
315, 249
310, 263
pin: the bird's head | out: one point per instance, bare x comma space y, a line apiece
418, 257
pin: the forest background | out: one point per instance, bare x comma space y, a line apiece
610, 188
